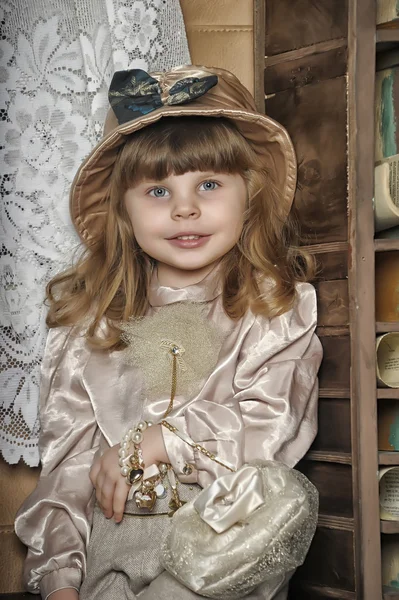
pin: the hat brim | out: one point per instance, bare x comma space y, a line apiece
89, 191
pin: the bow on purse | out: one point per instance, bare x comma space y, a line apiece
135, 93
252, 526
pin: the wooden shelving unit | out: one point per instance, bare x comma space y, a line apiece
388, 393
361, 76
386, 245
387, 39
389, 527
386, 327
319, 77
390, 593
388, 459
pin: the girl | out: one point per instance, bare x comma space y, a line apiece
183, 208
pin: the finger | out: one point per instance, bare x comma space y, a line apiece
94, 471
107, 496
121, 493
98, 487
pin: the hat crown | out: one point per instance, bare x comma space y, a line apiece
135, 93
229, 91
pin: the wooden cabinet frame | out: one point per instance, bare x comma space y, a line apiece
361, 83
298, 57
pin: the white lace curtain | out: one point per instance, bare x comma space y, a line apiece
57, 58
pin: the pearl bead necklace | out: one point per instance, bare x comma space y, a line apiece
131, 463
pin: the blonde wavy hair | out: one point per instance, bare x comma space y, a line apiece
110, 280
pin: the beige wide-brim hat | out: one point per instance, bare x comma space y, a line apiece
140, 99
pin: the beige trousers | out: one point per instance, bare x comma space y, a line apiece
123, 561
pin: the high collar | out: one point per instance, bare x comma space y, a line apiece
204, 291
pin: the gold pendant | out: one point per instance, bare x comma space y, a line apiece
145, 499
135, 475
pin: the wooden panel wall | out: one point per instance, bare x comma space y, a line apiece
302, 23
306, 68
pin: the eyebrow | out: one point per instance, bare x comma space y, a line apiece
164, 181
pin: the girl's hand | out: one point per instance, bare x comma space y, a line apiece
111, 487
106, 477
65, 594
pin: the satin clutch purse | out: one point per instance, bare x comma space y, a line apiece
249, 527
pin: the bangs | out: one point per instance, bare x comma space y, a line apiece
177, 145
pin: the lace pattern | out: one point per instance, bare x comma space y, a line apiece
57, 58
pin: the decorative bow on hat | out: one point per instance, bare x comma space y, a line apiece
135, 93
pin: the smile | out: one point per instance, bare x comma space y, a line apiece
189, 241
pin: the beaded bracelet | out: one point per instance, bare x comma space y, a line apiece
132, 468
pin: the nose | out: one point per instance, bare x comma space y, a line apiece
185, 206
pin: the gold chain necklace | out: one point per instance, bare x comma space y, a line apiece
176, 353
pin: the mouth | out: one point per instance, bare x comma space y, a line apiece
189, 240
188, 236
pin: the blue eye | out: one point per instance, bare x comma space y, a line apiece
158, 192
209, 186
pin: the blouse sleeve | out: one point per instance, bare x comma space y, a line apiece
272, 411
54, 521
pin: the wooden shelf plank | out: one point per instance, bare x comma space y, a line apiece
392, 393
331, 393
389, 593
388, 458
327, 247
386, 327
385, 36
389, 527
298, 53
332, 522
322, 592
343, 458
383, 245
332, 331
387, 39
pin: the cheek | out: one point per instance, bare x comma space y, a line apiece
138, 223
234, 217
146, 224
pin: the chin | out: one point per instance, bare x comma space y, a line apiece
191, 267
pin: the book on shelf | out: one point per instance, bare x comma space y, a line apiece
387, 13
386, 194
387, 291
390, 562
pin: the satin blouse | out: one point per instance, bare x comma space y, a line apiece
260, 402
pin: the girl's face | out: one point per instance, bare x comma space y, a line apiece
187, 223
